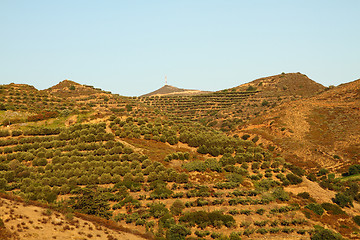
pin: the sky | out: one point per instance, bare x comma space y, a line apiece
128, 47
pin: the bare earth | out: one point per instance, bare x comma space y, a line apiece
31, 223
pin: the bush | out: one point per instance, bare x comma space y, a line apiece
325, 234
203, 219
235, 236
202, 233
304, 195
177, 232
323, 172
356, 219
311, 177
3, 183
234, 177
332, 208
177, 207
354, 169
293, 179
316, 208
260, 211
15, 133
157, 210
215, 235
245, 137
343, 200
93, 203
281, 195
4, 133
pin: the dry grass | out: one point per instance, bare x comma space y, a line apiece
40, 219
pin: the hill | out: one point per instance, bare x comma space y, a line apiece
285, 84
265, 160
168, 90
228, 108
319, 131
22, 103
68, 88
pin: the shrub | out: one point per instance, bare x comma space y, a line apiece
262, 231
215, 235
325, 234
202, 233
343, 200
322, 172
92, 203
3, 183
235, 236
260, 211
245, 137
234, 177
304, 195
248, 231
177, 232
177, 207
245, 212
202, 218
2, 225
281, 195
4, 133
15, 133
354, 169
158, 210
260, 223
332, 208
265, 103
356, 219
293, 179
316, 208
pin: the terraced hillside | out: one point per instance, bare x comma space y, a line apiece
122, 164
22, 103
168, 90
228, 108
87, 170
319, 131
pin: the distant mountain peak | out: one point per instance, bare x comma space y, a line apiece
167, 90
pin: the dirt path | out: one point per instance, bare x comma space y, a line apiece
319, 194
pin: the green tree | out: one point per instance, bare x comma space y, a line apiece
177, 207
93, 203
157, 210
177, 232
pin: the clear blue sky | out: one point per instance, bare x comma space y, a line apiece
127, 47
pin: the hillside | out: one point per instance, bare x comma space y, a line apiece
22, 103
25, 221
285, 84
229, 108
168, 90
68, 88
322, 130
272, 159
